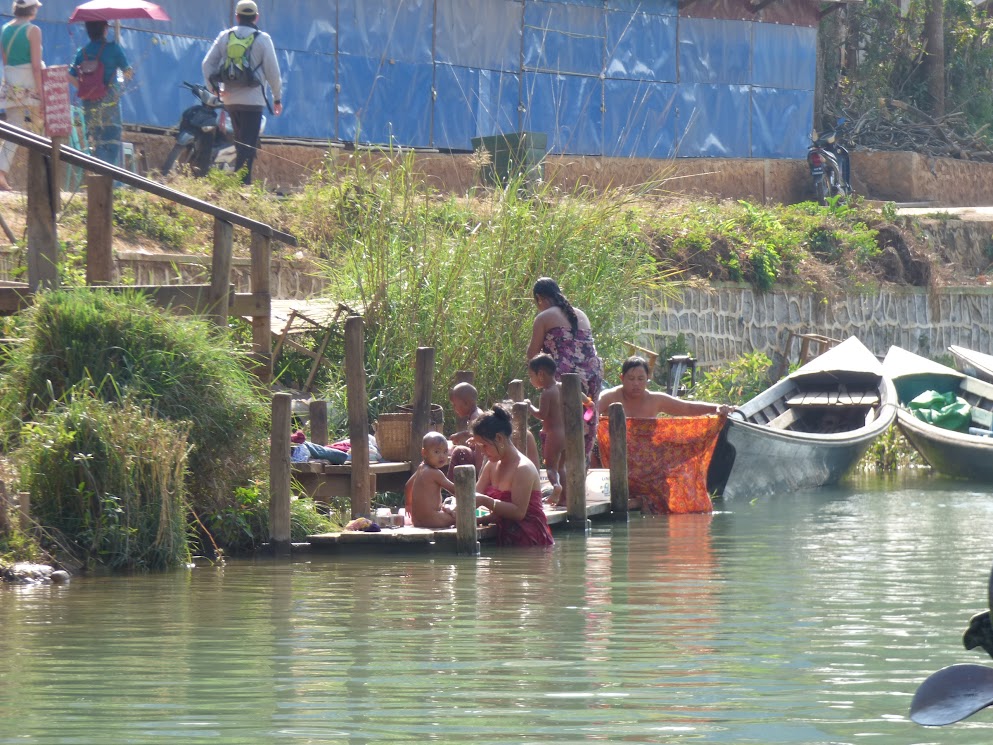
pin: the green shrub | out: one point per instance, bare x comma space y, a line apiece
178, 367
736, 382
109, 479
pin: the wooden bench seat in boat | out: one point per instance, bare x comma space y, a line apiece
321, 480
834, 398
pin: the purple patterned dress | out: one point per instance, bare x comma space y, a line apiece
577, 354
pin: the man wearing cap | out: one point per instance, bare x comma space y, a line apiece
245, 102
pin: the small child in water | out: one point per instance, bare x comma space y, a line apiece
541, 371
422, 493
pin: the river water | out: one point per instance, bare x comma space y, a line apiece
807, 618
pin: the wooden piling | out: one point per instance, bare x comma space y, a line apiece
220, 272
520, 434
99, 229
619, 485
466, 543
575, 452
423, 384
465, 376
515, 390
279, 475
358, 416
319, 422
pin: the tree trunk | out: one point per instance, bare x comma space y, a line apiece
934, 56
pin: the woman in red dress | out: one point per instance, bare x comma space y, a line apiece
508, 485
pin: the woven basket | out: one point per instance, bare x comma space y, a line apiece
393, 435
436, 419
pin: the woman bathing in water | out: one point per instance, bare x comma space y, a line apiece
641, 403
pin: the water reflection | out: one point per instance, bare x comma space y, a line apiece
809, 618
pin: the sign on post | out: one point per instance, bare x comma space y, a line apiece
55, 98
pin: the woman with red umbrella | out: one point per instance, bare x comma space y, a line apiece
20, 46
101, 96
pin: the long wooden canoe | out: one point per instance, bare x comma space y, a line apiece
807, 430
972, 363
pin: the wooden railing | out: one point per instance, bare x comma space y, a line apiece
216, 300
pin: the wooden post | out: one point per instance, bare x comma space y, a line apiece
520, 433
575, 451
466, 543
261, 249
24, 502
619, 486
43, 242
319, 422
423, 384
515, 390
220, 272
279, 475
358, 416
99, 229
4, 510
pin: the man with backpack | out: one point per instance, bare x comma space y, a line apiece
241, 61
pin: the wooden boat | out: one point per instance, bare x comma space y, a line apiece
807, 430
964, 454
972, 363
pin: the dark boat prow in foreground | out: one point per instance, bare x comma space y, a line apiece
963, 454
807, 430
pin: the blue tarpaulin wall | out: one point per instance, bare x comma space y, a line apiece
627, 78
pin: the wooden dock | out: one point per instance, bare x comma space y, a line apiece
597, 505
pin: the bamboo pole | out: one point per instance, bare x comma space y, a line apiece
575, 452
319, 422
4, 510
466, 541
358, 416
619, 485
99, 229
279, 475
220, 272
423, 383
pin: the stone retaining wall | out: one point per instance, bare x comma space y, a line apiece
726, 321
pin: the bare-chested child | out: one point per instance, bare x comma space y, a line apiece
541, 370
422, 493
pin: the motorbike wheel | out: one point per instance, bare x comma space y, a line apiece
822, 188
178, 154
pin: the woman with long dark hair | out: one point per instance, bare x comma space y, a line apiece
564, 332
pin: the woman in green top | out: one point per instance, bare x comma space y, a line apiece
20, 46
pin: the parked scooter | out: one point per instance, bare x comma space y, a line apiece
205, 139
829, 165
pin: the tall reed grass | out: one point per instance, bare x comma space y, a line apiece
456, 273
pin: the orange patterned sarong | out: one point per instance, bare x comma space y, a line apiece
667, 460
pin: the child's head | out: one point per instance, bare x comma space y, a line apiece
541, 370
464, 399
434, 449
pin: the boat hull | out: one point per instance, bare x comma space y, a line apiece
948, 452
766, 463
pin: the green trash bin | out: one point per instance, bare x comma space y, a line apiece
513, 154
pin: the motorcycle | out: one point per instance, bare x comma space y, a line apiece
829, 166
205, 138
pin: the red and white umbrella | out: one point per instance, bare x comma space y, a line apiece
116, 10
